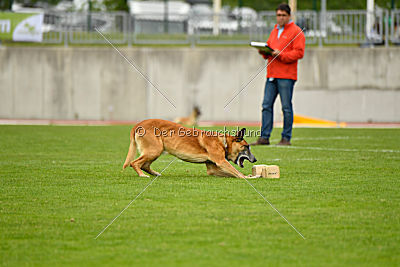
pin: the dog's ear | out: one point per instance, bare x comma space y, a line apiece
197, 110
240, 135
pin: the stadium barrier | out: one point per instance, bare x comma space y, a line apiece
336, 27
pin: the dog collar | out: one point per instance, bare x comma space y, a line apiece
225, 148
225, 144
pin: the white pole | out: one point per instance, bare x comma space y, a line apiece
322, 22
370, 18
217, 10
293, 7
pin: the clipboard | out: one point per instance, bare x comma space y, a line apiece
262, 47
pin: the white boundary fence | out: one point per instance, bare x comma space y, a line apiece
395, 26
337, 27
306, 20
353, 26
154, 28
82, 27
54, 27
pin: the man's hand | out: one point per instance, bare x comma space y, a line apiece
275, 52
261, 52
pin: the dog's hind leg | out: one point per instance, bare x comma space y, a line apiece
150, 147
151, 155
138, 163
144, 161
146, 168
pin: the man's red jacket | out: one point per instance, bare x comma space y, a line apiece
291, 43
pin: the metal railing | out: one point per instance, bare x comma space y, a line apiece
54, 27
395, 26
353, 26
154, 28
79, 27
223, 29
307, 20
337, 27
82, 27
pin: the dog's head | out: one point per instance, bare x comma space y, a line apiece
196, 111
240, 149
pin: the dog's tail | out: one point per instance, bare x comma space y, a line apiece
132, 150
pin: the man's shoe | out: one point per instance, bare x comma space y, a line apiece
261, 141
284, 142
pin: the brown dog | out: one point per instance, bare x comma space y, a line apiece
152, 137
191, 120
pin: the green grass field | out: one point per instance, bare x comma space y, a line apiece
338, 187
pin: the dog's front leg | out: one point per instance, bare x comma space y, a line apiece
213, 169
226, 167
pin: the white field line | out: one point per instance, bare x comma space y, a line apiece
332, 138
305, 159
325, 138
341, 149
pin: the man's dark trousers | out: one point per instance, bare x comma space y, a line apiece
283, 87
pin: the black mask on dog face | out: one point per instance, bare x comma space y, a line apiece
245, 155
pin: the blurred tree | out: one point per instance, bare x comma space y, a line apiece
6, 4
116, 5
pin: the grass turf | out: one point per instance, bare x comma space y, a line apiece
338, 187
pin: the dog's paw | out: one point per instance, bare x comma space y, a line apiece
252, 176
144, 175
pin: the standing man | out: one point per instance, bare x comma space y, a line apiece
288, 42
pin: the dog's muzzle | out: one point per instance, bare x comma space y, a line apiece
244, 155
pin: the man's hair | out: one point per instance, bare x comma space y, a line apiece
283, 7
